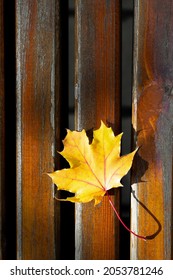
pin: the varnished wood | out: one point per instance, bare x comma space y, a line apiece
152, 123
36, 132
97, 96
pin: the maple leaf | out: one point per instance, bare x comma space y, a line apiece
94, 168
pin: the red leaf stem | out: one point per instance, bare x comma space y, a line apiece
119, 218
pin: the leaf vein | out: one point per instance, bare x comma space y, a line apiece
102, 187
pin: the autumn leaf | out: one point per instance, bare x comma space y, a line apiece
94, 168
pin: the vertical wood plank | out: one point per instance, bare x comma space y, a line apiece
97, 88
36, 114
2, 132
153, 122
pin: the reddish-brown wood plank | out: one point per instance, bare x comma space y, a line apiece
97, 98
36, 108
2, 132
153, 122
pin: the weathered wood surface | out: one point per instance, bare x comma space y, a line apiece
2, 132
36, 118
152, 122
97, 96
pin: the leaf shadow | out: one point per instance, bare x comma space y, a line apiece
140, 165
139, 168
152, 236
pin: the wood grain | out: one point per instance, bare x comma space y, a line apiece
97, 96
153, 122
37, 103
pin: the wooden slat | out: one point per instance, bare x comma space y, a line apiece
97, 98
152, 122
2, 104
36, 108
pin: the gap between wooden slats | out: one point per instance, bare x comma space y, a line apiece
7, 131
2, 142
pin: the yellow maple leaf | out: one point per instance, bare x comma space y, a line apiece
94, 168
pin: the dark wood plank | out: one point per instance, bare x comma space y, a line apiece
2, 132
37, 99
153, 123
97, 89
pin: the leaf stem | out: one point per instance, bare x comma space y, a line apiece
119, 218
